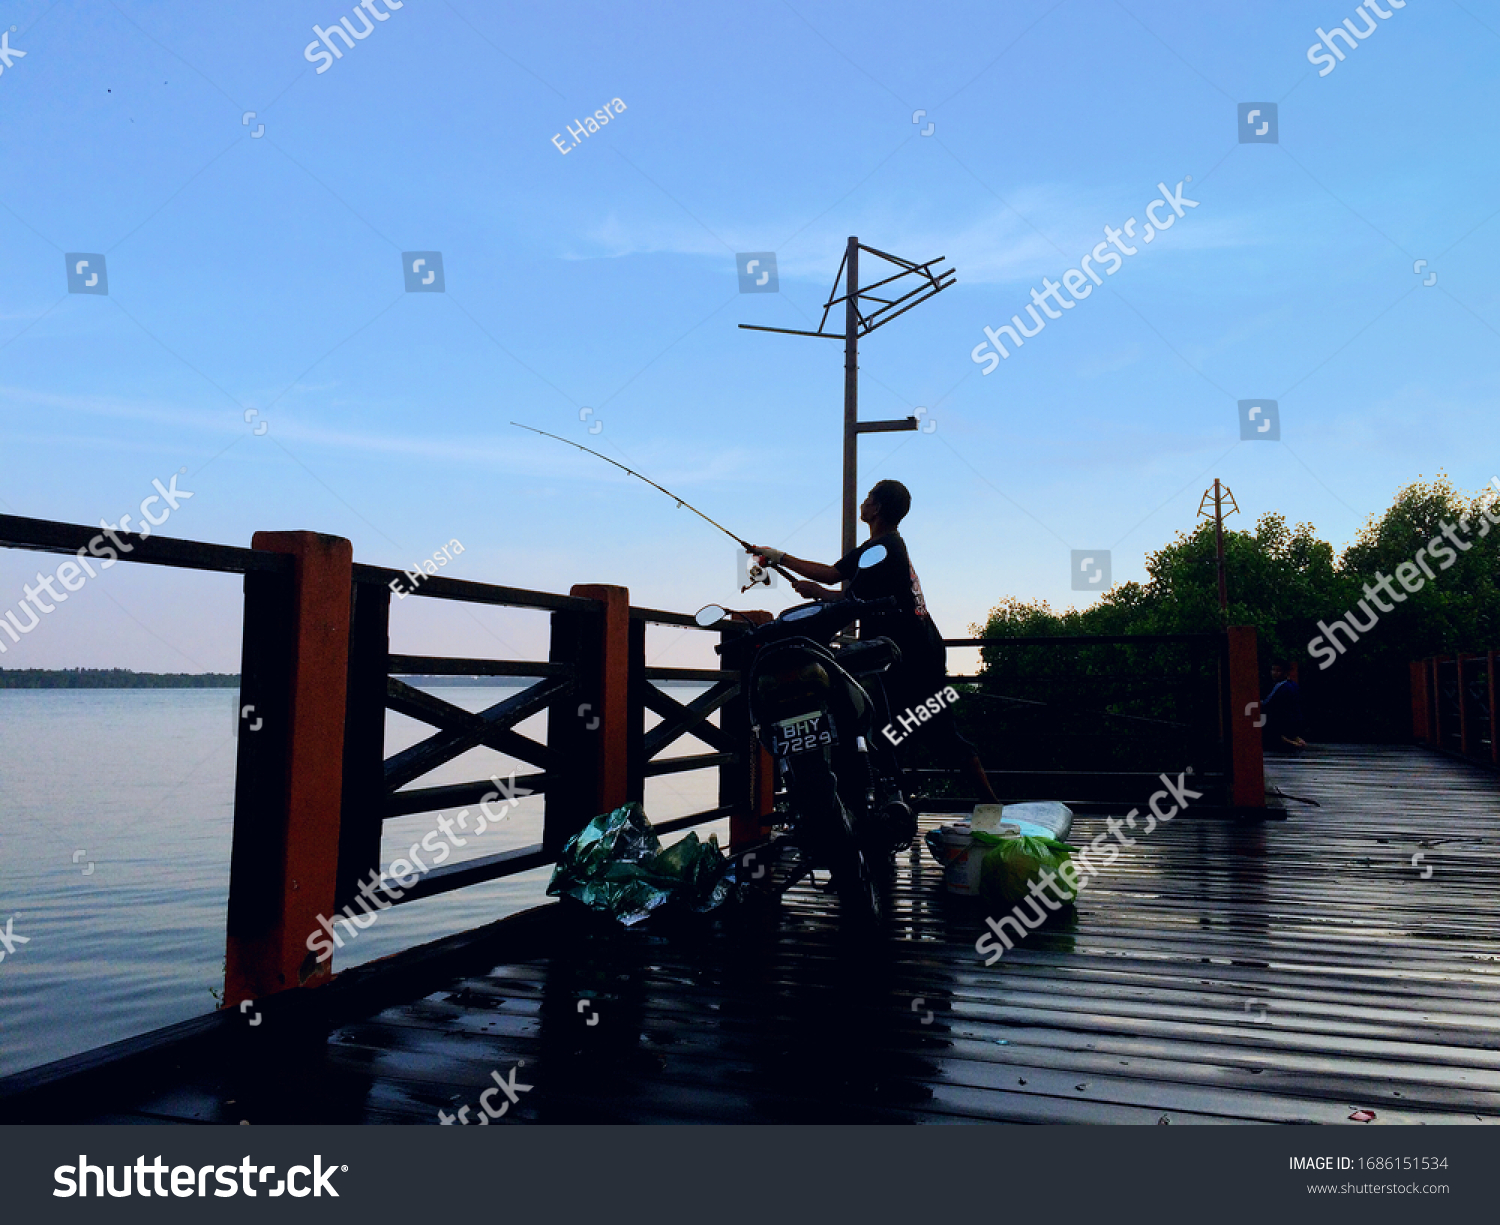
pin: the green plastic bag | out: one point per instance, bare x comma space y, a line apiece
616, 865
1011, 864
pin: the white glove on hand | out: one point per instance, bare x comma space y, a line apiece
773, 556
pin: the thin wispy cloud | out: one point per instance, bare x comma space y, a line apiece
665, 459
1045, 229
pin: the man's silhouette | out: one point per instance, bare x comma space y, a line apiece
923, 669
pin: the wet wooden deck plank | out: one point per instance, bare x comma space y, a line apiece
679, 1009
676, 1017
1288, 1010
1172, 1085
1380, 987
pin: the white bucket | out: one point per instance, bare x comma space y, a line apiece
962, 858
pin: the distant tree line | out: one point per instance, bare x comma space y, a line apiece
1284, 581
113, 678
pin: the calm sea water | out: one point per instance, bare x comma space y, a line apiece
115, 824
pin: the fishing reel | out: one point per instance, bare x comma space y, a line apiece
755, 572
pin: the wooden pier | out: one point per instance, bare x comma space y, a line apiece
1230, 967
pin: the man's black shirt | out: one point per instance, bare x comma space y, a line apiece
911, 628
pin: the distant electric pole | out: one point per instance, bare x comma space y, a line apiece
1219, 494
856, 325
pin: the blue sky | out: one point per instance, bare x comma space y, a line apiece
264, 273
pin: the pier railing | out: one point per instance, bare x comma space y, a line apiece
1097, 718
313, 787
1453, 703
595, 688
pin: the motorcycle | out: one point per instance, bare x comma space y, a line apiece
816, 707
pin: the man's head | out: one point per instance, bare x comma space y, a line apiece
1280, 670
887, 501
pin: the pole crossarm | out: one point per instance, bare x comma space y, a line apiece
932, 282
755, 327
886, 427
1205, 504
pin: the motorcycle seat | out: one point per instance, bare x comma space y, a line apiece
869, 656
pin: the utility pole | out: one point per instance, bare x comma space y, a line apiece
851, 397
1219, 493
857, 324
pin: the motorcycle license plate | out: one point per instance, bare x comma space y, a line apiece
803, 733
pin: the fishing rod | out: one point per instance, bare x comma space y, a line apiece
749, 548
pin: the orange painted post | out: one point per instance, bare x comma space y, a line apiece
289, 773
590, 728
750, 786
612, 651
749, 827
1437, 702
1434, 731
1247, 768
1463, 703
361, 820
635, 731
1420, 729
1489, 665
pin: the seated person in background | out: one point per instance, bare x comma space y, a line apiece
1282, 708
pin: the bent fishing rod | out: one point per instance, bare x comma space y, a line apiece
749, 548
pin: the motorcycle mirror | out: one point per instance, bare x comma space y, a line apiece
872, 556
710, 615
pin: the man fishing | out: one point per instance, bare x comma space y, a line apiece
923, 667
